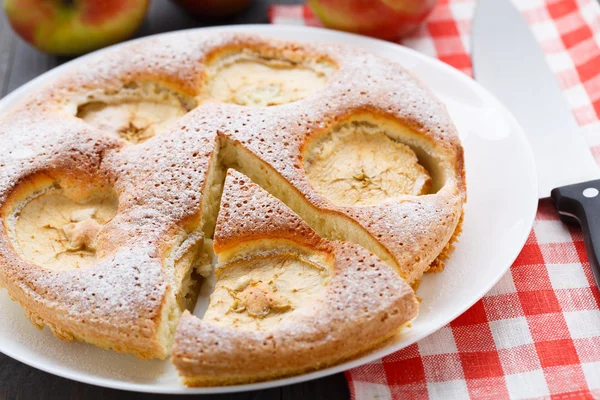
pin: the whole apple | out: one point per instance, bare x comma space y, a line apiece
385, 19
213, 8
71, 27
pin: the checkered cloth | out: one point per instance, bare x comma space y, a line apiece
536, 334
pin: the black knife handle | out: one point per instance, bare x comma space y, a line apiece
580, 204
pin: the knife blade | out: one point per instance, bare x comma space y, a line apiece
508, 61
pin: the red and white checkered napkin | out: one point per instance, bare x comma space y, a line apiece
536, 334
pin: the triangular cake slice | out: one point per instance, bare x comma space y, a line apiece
286, 301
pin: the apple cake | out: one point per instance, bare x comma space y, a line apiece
285, 300
328, 178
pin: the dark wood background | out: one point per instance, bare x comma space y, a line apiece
19, 63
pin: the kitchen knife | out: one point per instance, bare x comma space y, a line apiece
508, 61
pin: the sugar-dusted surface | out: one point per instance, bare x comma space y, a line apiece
118, 301
162, 182
364, 302
248, 213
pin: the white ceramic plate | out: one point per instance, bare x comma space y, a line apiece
502, 200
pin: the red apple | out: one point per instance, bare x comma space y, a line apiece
71, 27
386, 19
213, 8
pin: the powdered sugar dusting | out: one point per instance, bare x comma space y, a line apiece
161, 183
364, 301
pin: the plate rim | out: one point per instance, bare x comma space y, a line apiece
14, 97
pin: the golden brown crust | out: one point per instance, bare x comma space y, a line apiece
247, 214
209, 380
126, 301
439, 263
365, 301
168, 186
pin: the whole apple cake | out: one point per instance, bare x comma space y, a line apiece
326, 180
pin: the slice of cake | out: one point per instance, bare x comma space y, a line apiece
286, 300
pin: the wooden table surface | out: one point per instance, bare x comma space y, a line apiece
19, 63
